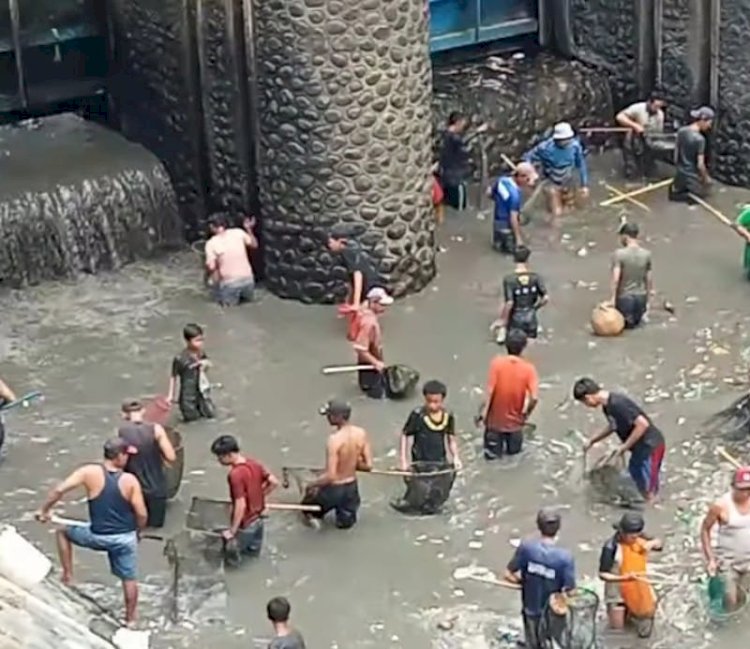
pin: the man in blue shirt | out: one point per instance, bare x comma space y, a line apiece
543, 570
559, 157
507, 192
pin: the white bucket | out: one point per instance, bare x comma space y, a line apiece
20, 562
130, 639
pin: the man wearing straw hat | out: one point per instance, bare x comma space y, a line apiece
559, 158
731, 556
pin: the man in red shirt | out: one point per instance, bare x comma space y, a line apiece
249, 484
368, 342
512, 395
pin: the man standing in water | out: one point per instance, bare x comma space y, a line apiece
6, 396
559, 157
512, 395
544, 571
742, 227
347, 451
731, 515
637, 434
632, 282
362, 273
507, 193
524, 294
227, 260
643, 118
691, 173
189, 369
150, 450
454, 159
249, 484
117, 514
368, 342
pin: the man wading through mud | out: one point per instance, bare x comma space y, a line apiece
731, 558
637, 433
512, 395
150, 449
643, 118
507, 194
632, 281
368, 342
455, 166
691, 172
347, 451
117, 514
227, 261
363, 275
249, 484
189, 369
544, 571
524, 293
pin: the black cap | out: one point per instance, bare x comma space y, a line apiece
548, 516
629, 229
341, 231
630, 523
117, 446
336, 408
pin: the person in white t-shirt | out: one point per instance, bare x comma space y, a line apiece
227, 261
643, 118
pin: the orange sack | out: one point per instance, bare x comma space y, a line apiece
637, 595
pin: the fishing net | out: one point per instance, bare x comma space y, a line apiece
713, 595
569, 621
173, 472
610, 483
209, 518
299, 477
400, 381
426, 492
732, 422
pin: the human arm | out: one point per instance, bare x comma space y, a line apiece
712, 518
742, 225
364, 462
491, 385
251, 241
532, 392
607, 563
516, 566
362, 346
173, 377
451, 442
640, 426
579, 160
614, 284
407, 439
6, 393
357, 283
515, 216
137, 501
701, 161
507, 306
649, 280
626, 118
600, 436
270, 482
165, 445
212, 257
534, 154
73, 481
543, 294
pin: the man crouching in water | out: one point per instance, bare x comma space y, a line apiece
347, 451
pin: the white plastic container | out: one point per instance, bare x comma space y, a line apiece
20, 562
131, 639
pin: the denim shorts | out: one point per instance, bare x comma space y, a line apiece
250, 538
121, 549
234, 292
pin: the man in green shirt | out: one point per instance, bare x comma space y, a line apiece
743, 228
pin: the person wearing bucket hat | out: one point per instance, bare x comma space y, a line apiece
559, 157
622, 561
691, 171
348, 450
543, 569
730, 559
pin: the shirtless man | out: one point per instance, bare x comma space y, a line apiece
347, 451
227, 261
117, 514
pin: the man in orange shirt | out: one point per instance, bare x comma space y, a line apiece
368, 342
512, 395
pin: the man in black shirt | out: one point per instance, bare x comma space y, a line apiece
432, 431
637, 433
524, 294
454, 159
691, 172
362, 273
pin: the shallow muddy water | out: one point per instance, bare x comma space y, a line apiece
388, 582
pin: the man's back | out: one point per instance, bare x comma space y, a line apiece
229, 250
511, 379
349, 445
690, 144
292, 640
635, 263
545, 569
454, 159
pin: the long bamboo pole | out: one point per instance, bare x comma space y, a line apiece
637, 192
629, 199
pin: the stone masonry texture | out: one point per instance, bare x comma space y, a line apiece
344, 94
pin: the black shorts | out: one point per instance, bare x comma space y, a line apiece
498, 443
157, 510
341, 498
371, 383
503, 240
525, 320
195, 406
540, 631
2, 434
633, 308
455, 196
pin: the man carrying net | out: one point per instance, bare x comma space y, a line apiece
430, 430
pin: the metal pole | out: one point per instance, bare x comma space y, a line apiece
714, 53
658, 39
15, 23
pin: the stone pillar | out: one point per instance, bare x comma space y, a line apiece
344, 97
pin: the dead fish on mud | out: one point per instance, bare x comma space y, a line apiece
612, 485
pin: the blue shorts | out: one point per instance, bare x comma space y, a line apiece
121, 549
250, 538
646, 469
234, 292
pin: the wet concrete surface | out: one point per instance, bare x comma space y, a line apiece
387, 582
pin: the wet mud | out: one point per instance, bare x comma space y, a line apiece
389, 581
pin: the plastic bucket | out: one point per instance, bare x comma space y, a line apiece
21, 562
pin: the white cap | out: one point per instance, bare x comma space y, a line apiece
380, 295
563, 131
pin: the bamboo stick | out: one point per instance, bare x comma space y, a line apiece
729, 458
629, 199
643, 190
713, 211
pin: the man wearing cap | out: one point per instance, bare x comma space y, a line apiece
622, 564
643, 118
117, 513
368, 342
507, 193
149, 450
559, 157
348, 450
543, 570
691, 173
632, 281
362, 273
731, 556
636, 431
249, 484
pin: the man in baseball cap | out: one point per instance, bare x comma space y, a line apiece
559, 157
368, 342
691, 172
543, 570
731, 557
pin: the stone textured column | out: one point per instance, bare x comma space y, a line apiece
344, 93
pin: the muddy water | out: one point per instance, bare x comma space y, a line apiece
388, 582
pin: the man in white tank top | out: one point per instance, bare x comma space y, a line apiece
730, 556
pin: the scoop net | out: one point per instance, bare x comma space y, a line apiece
400, 381
733, 422
569, 621
610, 483
427, 490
